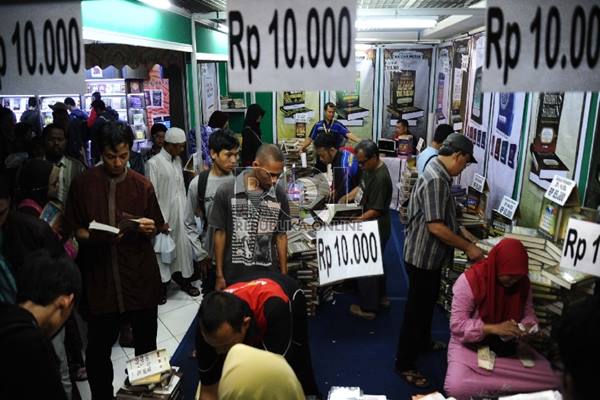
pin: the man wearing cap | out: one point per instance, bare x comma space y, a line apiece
432, 233
165, 172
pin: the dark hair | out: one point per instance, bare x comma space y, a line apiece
98, 104
218, 119
69, 102
96, 96
403, 122
157, 128
21, 130
220, 307
325, 141
32, 102
442, 132
578, 332
113, 133
252, 114
43, 278
269, 151
329, 104
49, 127
5, 187
221, 140
33, 180
368, 147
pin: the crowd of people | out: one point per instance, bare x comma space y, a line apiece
227, 228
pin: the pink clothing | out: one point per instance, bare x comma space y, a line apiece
465, 379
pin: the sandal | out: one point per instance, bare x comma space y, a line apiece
359, 312
415, 378
191, 290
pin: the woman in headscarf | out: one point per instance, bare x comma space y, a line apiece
492, 309
251, 134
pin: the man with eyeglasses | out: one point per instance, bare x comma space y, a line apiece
250, 217
374, 194
432, 233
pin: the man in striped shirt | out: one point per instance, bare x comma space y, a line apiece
432, 233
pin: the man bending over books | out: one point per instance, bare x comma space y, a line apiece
492, 316
265, 310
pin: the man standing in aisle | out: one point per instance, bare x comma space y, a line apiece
374, 195
32, 116
74, 111
166, 174
424, 157
344, 165
329, 126
157, 132
121, 278
432, 233
224, 152
251, 217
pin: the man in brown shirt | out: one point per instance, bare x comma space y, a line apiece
120, 274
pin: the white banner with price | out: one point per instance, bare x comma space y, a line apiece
478, 183
508, 207
555, 41
560, 190
580, 249
41, 49
349, 250
279, 45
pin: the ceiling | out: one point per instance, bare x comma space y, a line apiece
454, 17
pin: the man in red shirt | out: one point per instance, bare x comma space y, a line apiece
265, 310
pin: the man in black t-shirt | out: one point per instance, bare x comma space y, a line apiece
266, 310
374, 194
48, 288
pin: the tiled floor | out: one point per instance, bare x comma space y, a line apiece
174, 319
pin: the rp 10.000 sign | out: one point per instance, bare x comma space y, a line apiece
277, 45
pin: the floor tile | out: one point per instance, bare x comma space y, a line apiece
173, 304
119, 373
178, 321
179, 337
169, 344
163, 333
117, 352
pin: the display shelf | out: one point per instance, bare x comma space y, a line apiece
234, 110
107, 94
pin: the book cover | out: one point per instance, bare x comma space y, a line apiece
506, 113
408, 113
439, 109
477, 102
301, 130
549, 113
352, 113
547, 165
293, 100
403, 88
548, 222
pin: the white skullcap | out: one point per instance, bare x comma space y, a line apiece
175, 135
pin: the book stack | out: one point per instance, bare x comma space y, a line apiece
292, 157
348, 109
294, 109
402, 98
450, 274
303, 266
150, 376
408, 178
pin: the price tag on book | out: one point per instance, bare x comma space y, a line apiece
349, 250
580, 249
508, 207
555, 41
560, 190
41, 49
291, 45
478, 183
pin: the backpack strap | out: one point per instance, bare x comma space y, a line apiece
429, 159
202, 182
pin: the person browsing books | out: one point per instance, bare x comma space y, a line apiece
492, 309
441, 133
121, 278
329, 126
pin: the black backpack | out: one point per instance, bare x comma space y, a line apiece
202, 182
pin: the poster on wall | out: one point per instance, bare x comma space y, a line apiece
209, 90
503, 158
297, 112
354, 108
406, 89
545, 163
460, 75
477, 112
156, 94
443, 80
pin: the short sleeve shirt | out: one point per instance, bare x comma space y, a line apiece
377, 194
335, 128
430, 201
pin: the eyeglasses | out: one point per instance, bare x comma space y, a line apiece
364, 161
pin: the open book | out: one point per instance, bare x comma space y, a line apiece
147, 368
338, 209
124, 226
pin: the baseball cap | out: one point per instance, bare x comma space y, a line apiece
58, 106
457, 142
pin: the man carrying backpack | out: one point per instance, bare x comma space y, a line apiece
440, 134
224, 152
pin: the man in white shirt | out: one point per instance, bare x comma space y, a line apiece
165, 172
441, 133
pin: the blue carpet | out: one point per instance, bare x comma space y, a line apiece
348, 351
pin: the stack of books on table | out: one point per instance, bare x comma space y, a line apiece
303, 265
150, 376
408, 178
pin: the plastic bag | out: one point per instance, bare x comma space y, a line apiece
165, 246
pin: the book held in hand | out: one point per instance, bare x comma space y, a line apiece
124, 226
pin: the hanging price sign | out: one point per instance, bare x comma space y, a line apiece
291, 45
560, 190
508, 207
555, 41
41, 50
478, 183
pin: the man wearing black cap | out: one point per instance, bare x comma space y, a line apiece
432, 233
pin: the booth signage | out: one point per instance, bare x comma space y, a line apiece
555, 41
560, 190
41, 48
508, 207
478, 183
282, 45
580, 249
349, 250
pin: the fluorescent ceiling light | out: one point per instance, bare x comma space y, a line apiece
162, 4
387, 23
223, 28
